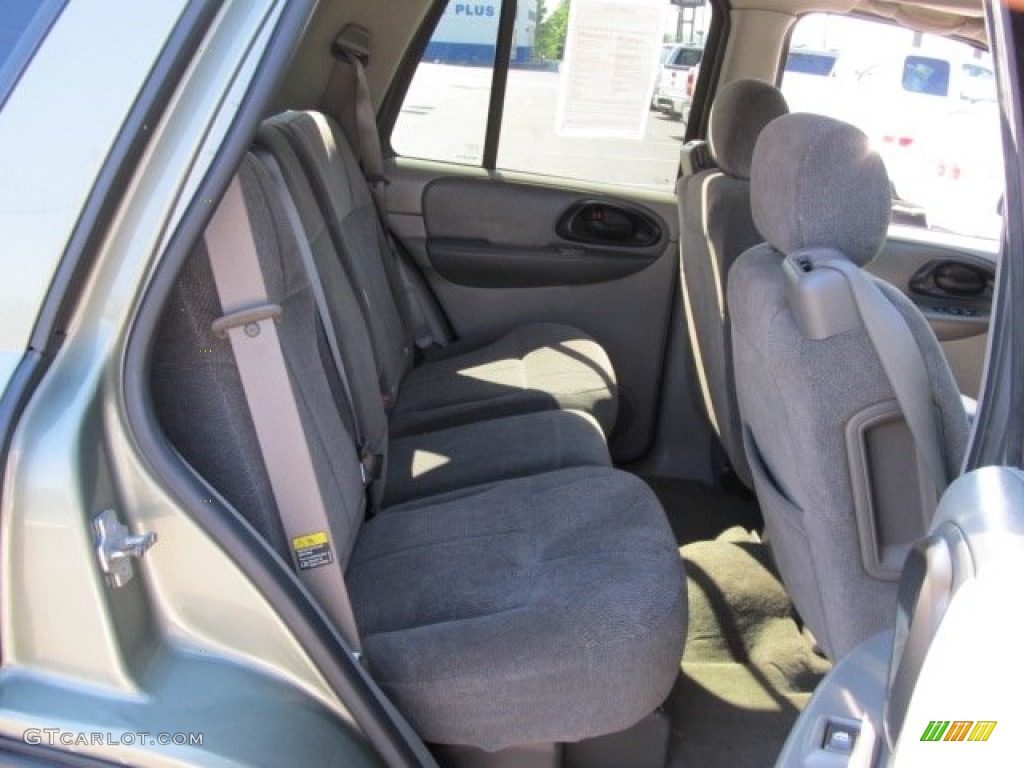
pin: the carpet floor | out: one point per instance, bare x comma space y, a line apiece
748, 669
699, 512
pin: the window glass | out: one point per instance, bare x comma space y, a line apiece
978, 84
444, 115
14, 21
928, 105
23, 24
811, 63
924, 74
597, 90
688, 56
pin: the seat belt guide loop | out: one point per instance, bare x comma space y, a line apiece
251, 316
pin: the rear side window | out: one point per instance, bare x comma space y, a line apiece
923, 74
928, 106
594, 90
687, 57
978, 83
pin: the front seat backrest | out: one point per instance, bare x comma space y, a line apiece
715, 228
843, 489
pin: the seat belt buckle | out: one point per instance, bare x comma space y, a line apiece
249, 319
370, 465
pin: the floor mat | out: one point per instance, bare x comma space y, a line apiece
699, 512
747, 670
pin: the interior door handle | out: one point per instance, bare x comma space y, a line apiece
960, 280
950, 279
600, 222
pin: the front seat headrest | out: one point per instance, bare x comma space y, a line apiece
816, 183
740, 111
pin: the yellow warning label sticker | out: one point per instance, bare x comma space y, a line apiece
312, 550
312, 540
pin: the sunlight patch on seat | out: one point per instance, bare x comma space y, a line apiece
424, 462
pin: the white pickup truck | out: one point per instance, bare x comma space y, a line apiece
673, 89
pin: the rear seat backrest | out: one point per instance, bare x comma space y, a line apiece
534, 367
335, 178
716, 226
189, 358
355, 345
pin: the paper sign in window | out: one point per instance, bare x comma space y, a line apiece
607, 74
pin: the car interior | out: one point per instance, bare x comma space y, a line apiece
585, 472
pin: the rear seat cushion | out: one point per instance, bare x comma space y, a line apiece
436, 462
548, 608
536, 367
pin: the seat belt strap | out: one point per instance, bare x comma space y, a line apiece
249, 323
902, 361
370, 462
370, 152
354, 49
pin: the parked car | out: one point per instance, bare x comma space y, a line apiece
926, 111
806, 78
673, 90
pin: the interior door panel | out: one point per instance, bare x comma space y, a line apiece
484, 264
498, 254
952, 285
486, 234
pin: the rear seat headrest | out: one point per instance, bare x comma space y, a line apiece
739, 113
816, 183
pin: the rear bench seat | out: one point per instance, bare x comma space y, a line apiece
507, 439
537, 367
546, 607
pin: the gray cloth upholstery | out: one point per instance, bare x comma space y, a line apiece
477, 454
954, 422
541, 366
436, 462
354, 339
716, 226
816, 183
198, 393
535, 367
550, 608
797, 395
739, 113
351, 218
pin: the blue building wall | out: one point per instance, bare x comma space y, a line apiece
475, 54
467, 32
